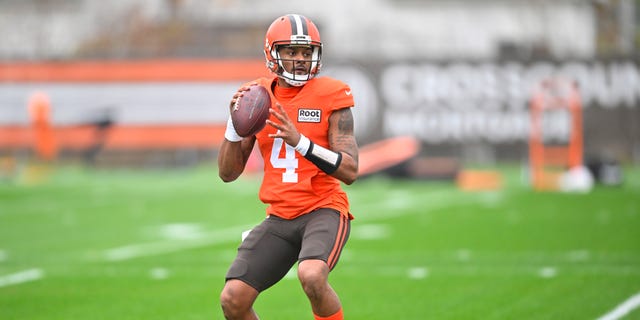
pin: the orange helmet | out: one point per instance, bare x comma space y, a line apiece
292, 30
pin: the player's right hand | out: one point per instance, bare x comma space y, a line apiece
239, 94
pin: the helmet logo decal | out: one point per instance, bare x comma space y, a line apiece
300, 39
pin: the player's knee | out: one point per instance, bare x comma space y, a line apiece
313, 276
228, 303
232, 303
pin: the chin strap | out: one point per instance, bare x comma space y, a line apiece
295, 83
290, 79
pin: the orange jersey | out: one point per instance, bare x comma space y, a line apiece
292, 185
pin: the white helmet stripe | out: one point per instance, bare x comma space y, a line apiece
298, 25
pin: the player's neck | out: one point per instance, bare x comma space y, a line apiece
287, 93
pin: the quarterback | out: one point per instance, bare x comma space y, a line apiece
309, 149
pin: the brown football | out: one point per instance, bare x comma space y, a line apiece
251, 111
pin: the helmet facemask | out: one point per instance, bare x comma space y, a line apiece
292, 78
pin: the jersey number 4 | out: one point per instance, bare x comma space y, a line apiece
289, 162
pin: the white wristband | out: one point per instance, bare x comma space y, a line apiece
303, 145
231, 134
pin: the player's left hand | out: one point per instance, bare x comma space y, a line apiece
286, 129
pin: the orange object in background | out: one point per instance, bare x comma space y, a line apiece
549, 162
44, 143
479, 180
134, 71
121, 136
386, 153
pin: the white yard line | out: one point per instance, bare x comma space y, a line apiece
623, 309
133, 251
21, 277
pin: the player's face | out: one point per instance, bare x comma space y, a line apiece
296, 60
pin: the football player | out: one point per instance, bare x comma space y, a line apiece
308, 148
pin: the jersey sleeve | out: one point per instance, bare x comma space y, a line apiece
339, 92
343, 98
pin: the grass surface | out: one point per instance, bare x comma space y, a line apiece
156, 245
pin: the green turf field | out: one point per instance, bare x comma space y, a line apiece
153, 245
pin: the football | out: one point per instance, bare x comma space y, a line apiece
251, 111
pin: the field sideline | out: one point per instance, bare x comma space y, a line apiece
126, 244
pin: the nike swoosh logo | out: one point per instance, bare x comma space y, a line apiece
347, 92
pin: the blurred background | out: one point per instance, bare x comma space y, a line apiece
111, 114
132, 83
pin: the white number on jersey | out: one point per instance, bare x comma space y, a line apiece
289, 162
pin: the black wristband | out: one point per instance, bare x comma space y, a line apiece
325, 159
